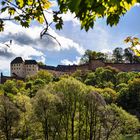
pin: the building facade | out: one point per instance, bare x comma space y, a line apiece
21, 68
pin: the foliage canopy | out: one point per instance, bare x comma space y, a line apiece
87, 11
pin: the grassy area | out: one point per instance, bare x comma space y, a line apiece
137, 137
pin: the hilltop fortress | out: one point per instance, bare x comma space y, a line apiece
23, 68
20, 69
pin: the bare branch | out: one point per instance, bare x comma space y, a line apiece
44, 32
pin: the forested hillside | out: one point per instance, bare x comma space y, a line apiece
100, 105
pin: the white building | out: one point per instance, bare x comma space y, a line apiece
21, 68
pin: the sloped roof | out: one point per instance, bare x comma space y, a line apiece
47, 67
27, 62
17, 60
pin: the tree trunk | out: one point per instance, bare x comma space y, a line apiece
46, 129
72, 127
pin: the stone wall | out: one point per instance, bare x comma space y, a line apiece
126, 67
3, 78
18, 69
95, 64
30, 69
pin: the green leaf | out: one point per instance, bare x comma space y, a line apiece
74, 5
40, 19
1, 26
11, 11
30, 2
20, 3
113, 19
3, 3
4, 9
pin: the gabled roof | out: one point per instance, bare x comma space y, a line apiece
17, 60
27, 62
47, 67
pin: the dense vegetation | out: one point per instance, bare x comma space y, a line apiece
100, 105
87, 11
118, 55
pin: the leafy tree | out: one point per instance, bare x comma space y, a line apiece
79, 75
86, 11
89, 11
1, 89
92, 116
10, 87
131, 55
128, 55
123, 77
109, 95
90, 79
131, 124
9, 116
24, 11
40, 63
105, 76
88, 55
129, 97
121, 86
136, 59
45, 105
118, 55
25, 127
42, 75
91, 55
72, 91
134, 42
117, 121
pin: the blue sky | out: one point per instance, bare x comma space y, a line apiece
74, 41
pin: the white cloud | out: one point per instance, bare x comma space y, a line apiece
42, 44
70, 17
54, 3
68, 62
66, 17
13, 28
65, 43
4, 64
137, 5
101, 38
106, 51
42, 59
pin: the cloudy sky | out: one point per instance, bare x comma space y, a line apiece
27, 43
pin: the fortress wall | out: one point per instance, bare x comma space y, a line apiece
125, 66
95, 64
84, 67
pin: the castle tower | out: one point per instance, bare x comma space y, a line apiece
31, 67
17, 67
20, 68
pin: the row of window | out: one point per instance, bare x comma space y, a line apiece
16, 64
21, 64
19, 69
15, 68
